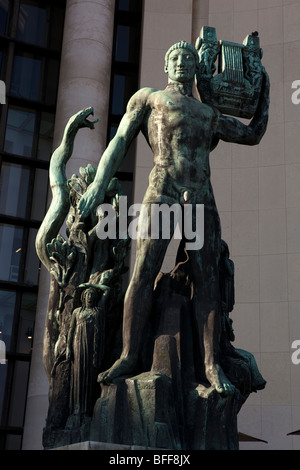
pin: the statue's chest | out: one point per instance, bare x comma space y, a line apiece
176, 111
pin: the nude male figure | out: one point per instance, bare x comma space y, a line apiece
181, 132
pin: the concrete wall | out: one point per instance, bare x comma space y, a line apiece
258, 197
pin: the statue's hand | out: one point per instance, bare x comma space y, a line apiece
89, 201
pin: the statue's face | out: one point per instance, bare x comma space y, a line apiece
90, 298
181, 65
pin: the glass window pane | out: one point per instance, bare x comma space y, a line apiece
124, 4
14, 181
19, 131
51, 81
3, 374
126, 40
26, 77
26, 323
18, 394
32, 25
13, 442
118, 100
11, 238
122, 92
112, 131
57, 26
31, 274
7, 302
40, 192
46, 137
122, 43
3, 16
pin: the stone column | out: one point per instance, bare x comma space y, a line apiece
84, 81
85, 75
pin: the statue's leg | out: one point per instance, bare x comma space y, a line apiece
138, 304
206, 301
139, 296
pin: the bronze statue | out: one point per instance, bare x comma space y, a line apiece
181, 131
170, 357
85, 348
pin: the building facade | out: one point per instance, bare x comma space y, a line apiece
76, 57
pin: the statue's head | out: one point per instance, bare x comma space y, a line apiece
89, 297
187, 54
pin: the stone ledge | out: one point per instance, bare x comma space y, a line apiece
93, 445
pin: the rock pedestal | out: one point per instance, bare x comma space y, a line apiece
165, 405
143, 411
165, 408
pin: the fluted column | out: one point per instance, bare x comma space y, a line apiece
84, 81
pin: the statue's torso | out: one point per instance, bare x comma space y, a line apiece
180, 130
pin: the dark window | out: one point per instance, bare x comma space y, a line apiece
33, 24
45, 136
18, 394
40, 23
125, 73
51, 76
14, 183
11, 239
128, 5
13, 442
7, 302
31, 274
123, 89
39, 197
3, 16
26, 76
3, 377
26, 323
122, 43
19, 133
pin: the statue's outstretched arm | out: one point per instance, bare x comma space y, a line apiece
130, 125
60, 203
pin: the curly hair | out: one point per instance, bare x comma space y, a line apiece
182, 45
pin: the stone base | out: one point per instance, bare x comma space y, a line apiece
92, 445
168, 405
144, 411
211, 422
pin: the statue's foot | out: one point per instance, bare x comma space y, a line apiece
218, 379
123, 366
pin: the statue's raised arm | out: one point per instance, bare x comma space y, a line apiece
230, 129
